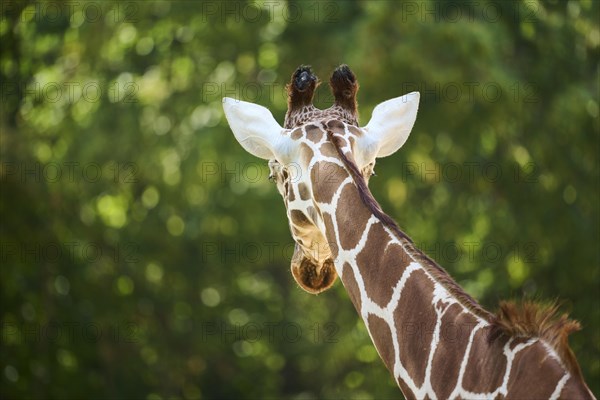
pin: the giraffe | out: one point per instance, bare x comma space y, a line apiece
436, 341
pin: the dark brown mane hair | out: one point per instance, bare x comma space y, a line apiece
543, 320
525, 319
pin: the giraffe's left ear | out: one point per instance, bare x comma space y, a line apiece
390, 126
255, 129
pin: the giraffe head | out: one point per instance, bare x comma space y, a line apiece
304, 157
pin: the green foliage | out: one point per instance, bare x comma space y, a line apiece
156, 264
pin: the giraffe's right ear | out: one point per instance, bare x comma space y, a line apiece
390, 125
255, 129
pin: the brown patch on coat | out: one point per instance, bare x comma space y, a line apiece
307, 153
335, 125
314, 133
299, 219
326, 177
381, 265
537, 320
296, 134
349, 281
328, 221
456, 328
380, 330
328, 150
303, 191
408, 394
484, 374
351, 212
530, 378
415, 322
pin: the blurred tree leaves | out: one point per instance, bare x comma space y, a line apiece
145, 254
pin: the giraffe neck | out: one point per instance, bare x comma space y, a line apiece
402, 306
432, 339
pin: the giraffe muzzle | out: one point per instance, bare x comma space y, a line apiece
310, 275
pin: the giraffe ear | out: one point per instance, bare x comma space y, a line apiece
255, 128
390, 125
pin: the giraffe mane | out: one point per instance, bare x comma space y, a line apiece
529, 319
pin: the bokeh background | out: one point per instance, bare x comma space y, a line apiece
145, 255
